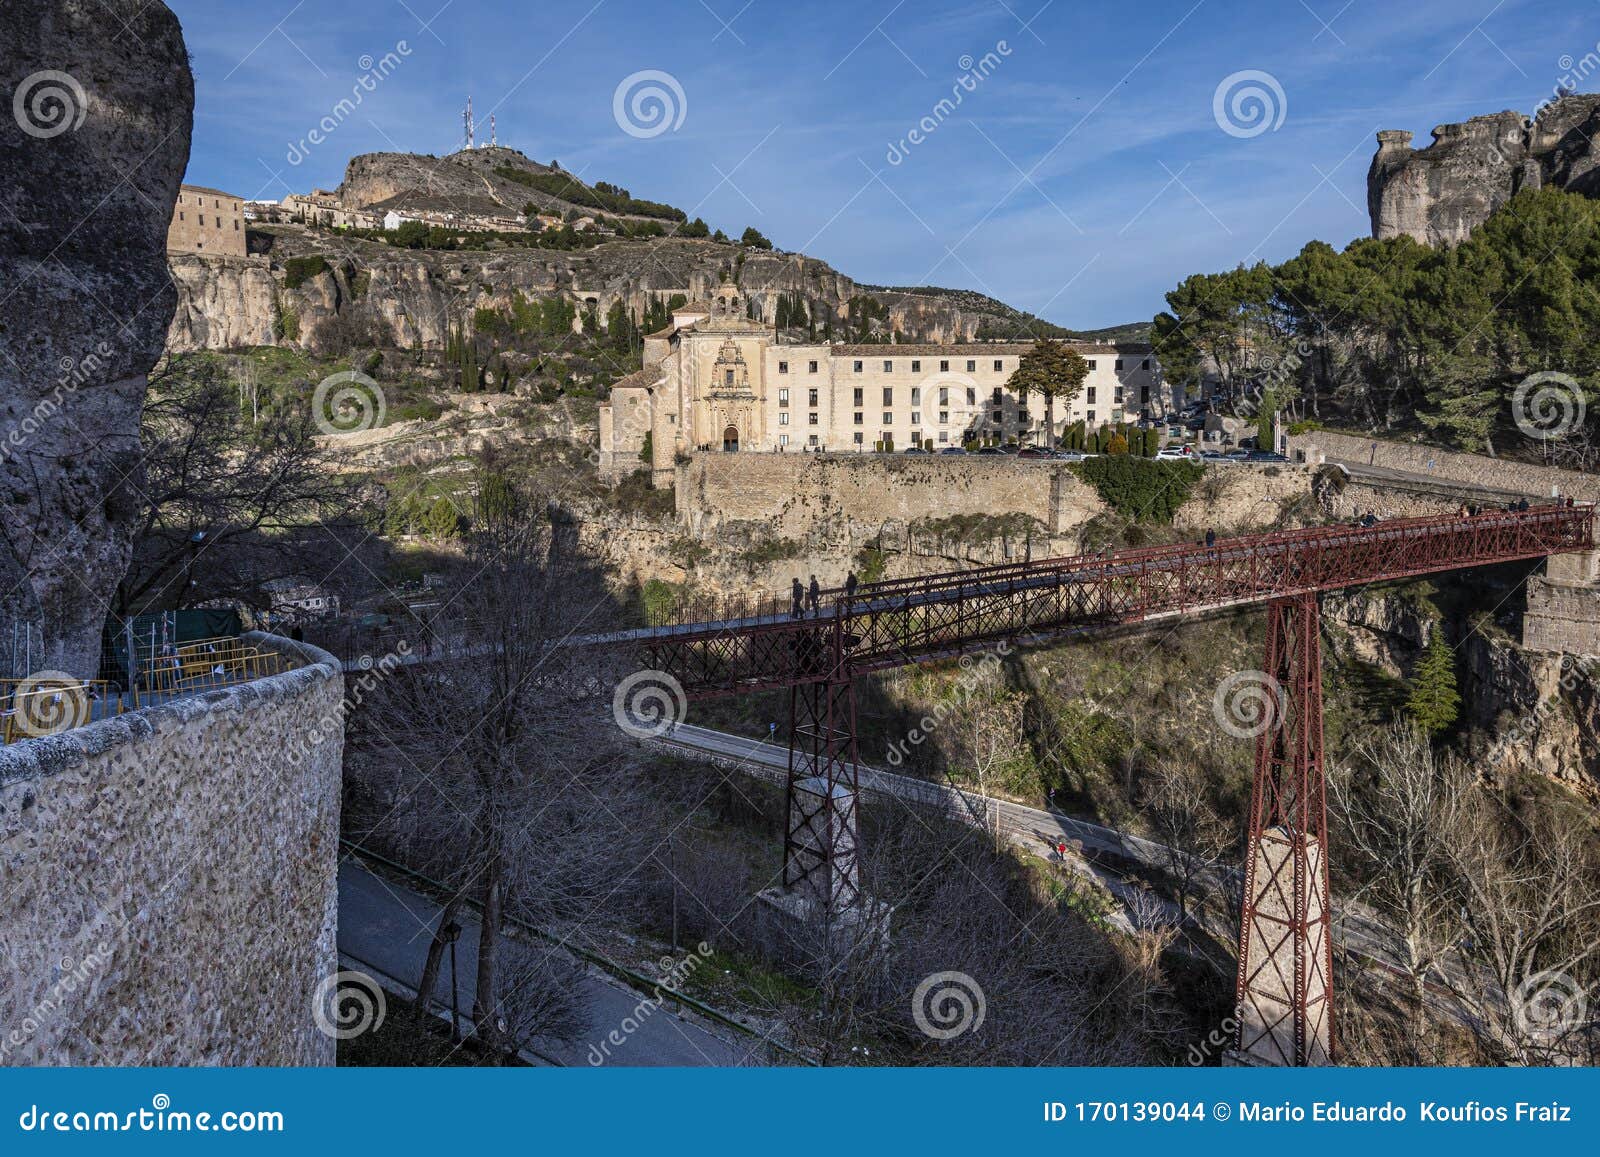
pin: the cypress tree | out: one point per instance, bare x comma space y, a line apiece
1434, 701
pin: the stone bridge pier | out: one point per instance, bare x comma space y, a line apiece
1563, 613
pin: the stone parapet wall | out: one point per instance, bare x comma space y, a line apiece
1480, 470
170, 878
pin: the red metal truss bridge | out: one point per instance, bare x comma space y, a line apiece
1284, 983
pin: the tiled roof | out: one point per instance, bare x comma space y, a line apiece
209, 192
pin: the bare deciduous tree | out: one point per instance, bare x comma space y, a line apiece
519, 795
1402, 811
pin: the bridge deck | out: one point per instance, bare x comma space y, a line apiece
913, 620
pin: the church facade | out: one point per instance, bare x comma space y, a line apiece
715, 381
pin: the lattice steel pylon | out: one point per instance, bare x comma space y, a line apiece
820, 834
1285, 981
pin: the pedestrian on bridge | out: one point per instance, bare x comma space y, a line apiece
849, 589
799, 600
1211, 538
814, 596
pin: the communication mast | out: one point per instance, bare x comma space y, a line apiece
494, 140
466, 122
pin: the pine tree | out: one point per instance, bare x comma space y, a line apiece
1434, 701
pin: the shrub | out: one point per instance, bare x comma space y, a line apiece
299, 270
1141, 489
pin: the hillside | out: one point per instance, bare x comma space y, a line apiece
484, 182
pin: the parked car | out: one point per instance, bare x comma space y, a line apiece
1070, 455
953, 450
988, 450
1264, 456
1039, 452
914, 450
1175, 431
1174, 453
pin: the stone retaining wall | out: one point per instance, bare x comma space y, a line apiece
1318, 446
168, 879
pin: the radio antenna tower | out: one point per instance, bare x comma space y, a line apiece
466, 121
494, 141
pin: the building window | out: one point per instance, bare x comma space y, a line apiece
1118, 364
888, 365
811, 367
811, 418
916, 418
859, 438
944, 435
997, 395
944, 395
999, 365
1090, 398
972, 365
944, 367
1144, 365
972, 396
916, 366
783, 397
814, 439
783, 439
1091, 417
180, 214
1144, 394
944, 417
812, 394
236, 226
888, 395
999, 417
1116, 395
783, 367
860, 396
888, 419
916, 395
728, 378
860, 418
916, 437
857, 367
1091, 363
783, 419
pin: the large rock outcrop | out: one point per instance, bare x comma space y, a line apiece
92, 153
1440, 193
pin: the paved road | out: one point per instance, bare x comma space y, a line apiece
1038, 830
385, 927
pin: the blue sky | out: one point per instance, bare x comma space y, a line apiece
1080, 178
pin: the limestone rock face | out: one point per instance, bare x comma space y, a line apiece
1440, 193
93, 148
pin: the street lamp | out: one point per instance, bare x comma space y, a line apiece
451, 932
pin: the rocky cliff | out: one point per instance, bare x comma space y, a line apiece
92, 160
1440, 193
409, 298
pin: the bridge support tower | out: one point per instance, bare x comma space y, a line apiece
1285, 983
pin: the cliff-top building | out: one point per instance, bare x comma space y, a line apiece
207, 221
713, 380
